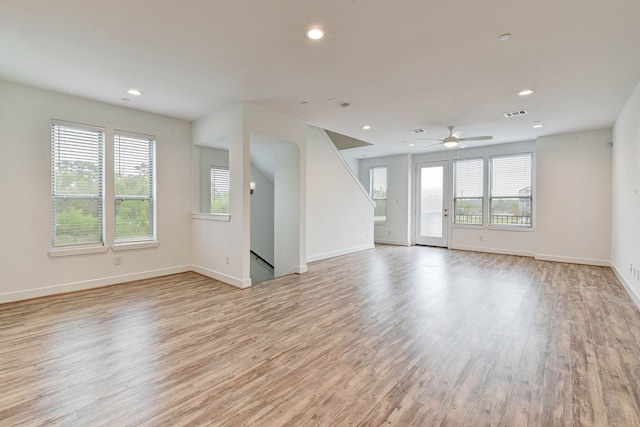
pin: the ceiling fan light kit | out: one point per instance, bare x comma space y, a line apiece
453, 139
450, 142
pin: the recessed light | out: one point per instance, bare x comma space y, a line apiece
125, 99
412, 145
366, 127
526, 92
537, 125
505, 36
315, 34
134, 92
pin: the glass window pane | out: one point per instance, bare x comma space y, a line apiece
219, 190
378, 192
511, 201
77, 221
134, 158
77, 184
469, 191
133, 219
431, 202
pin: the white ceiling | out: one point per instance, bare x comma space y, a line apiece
401, 64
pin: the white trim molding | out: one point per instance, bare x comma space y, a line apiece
492, 250
224, 278
340, 252
90, 284
573, 260
635, 297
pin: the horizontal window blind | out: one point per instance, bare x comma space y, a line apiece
219, 190
510, 190
134, 166
77, 184
511, 175
469, 191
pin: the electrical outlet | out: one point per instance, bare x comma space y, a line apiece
481, 238
226, 259
118, 260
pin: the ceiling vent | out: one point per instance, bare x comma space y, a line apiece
417, 131
516, 113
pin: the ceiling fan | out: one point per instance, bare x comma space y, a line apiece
454, 138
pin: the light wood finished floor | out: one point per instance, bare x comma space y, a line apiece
390, 336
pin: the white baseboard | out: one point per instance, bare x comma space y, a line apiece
573, 260
90, 284
229, 280
340, 252
635, 297
492, 250
301, 269
393, 242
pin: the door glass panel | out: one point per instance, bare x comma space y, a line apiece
431, 201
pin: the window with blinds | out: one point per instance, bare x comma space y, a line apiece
378, 192
219, 190
510, 190
134, 172
77, 184
468, 198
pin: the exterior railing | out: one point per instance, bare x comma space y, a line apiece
495, 219
468, 219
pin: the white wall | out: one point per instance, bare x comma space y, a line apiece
278, 126
574, 198
353, 162
262, 217
286, 190
626, 198
26, 269
339, 211
515, 241
208, 157
398, 227
220, 249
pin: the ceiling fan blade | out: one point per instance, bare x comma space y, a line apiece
429, 139
476, 138
431, 145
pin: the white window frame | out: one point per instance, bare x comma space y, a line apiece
455, 192
57, 126
378, 220
125, 137
213, 172
529, 198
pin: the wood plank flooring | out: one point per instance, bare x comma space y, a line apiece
404, 336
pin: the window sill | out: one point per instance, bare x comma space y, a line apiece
470, 226
117, 247
493, 227
211, 217
510, 228
78, 250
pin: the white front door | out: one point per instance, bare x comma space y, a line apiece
432, 211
